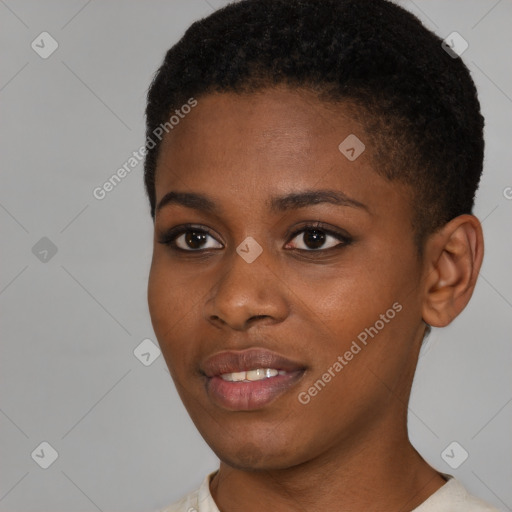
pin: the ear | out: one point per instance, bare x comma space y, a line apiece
453, 257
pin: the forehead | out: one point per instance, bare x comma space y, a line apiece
276, 141
273, 129
278, 118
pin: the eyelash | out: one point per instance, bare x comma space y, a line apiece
170, 236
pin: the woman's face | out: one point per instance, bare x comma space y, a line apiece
329, 314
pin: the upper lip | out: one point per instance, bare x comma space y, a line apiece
250, 359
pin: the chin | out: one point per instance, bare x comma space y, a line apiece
252, 456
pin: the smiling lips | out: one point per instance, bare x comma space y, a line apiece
249, 379
252, 375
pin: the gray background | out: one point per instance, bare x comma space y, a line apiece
70, 323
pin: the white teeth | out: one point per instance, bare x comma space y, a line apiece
252, 375
234, 377
260, 374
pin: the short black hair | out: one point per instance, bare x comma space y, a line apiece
417, 103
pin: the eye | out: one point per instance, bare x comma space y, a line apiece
189, 239
313, 237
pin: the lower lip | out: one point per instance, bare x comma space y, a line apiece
248, 396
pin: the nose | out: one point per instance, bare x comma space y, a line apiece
247, 293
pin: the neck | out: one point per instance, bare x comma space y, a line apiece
374, 477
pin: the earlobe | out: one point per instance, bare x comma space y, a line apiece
452, 262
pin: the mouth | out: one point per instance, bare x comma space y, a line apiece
249, 379
252, 375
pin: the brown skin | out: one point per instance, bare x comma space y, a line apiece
348, 448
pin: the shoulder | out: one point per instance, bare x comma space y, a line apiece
199, 500
454, 497
187, 504
451, 497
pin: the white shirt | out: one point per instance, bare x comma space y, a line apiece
451, 497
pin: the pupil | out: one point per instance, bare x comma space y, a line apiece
313, 238
195, 243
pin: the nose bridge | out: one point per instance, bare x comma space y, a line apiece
247, 288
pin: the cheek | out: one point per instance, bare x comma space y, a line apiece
160, 297
173, 291
368, 302
344, 300
170, 307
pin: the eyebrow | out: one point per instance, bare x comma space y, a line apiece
294, 200
297, 200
